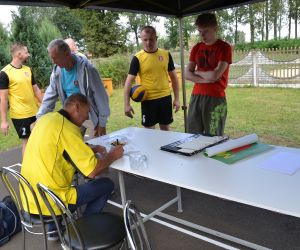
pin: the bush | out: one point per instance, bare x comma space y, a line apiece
271, 44
115, 67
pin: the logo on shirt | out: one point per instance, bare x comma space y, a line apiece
27, 74
76, 83
160, 58
207, 59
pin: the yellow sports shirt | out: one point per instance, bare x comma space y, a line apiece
53, 137
153, 72
20, 92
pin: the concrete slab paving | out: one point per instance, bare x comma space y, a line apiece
256, 225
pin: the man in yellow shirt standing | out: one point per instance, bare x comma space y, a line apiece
153, 65
56, 150
18, 88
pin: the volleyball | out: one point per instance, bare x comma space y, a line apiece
138, 93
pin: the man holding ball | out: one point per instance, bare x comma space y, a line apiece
153, 65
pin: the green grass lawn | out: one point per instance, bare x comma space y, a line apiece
272, 113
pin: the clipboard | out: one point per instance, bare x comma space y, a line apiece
193, 144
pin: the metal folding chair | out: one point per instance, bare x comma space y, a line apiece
17, 185
97, 231
136, 233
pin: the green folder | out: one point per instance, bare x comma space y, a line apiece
234, 155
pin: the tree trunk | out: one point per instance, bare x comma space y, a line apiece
279, 26
236, 26
136, 38
263, 26
296, 18
267, 20
252, 26
275, 26
290, 26
296, 24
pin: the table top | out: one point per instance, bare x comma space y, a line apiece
243, 182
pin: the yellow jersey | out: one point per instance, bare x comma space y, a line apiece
21, 97
55, 148
153, 70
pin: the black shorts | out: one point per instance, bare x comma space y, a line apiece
22, 126
157, 111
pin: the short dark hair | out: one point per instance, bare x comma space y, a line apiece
206, 20
60, 44
76, 98
148, 29
15, 47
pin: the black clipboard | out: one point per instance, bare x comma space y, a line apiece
174, 147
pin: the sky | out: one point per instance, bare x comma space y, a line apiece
5, 18
5, 13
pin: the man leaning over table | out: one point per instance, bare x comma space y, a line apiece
74, 74
56, 150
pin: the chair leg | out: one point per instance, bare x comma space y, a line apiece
124, 245
45, 238
23, 236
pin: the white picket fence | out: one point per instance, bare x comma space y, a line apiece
266, 68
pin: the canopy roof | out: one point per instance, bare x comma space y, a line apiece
175, 8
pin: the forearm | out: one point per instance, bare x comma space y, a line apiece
3, 107
127, 88
195, 78
215, 74
3, 111
102, 164
175, 85
210, 76
190, 75
38, 94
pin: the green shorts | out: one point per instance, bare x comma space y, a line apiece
207, 115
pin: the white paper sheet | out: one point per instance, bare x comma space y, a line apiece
199, 142
284, 162
231, 144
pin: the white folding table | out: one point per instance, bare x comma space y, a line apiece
243, 182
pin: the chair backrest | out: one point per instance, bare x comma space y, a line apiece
18, 187
64, 216
135, 229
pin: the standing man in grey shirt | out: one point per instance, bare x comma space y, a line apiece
74, 74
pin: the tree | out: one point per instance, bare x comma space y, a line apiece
172, 30
294, 13
24, 29
225, 20
69, 23
254, 16
48, 31
136, 21
275, 10
171, 25
241, 37
267, 19
290, 15
102, 34
238, 15
4, 46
